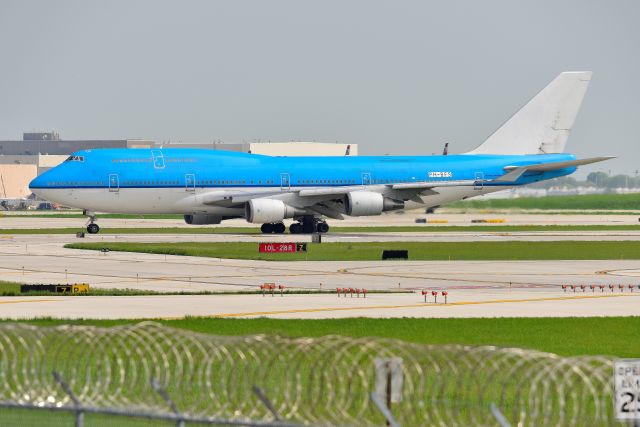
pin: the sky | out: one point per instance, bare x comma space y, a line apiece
394, 77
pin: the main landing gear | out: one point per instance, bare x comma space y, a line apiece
306, 226
277, 228
92, 227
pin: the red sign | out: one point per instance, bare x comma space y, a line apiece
277, 247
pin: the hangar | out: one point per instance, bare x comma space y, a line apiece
22, 160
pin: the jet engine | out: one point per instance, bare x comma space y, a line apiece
200, 219
262, 211
368, 203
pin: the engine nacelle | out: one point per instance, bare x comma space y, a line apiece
200, 219
261, 211
368, 203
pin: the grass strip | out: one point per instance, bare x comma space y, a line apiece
587, 201
613, 336
369, 251
10, 289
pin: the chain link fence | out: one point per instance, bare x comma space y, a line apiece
151, 371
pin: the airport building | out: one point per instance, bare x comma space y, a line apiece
33, 143
14, 180
292, 148
22, 160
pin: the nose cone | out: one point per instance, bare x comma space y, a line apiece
36, 183
39, 184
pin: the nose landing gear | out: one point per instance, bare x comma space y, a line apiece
92, 227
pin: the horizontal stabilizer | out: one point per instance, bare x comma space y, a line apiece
515, 172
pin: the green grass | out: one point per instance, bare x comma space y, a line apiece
13, 289
591, 201
40, 417
366, 251
463, 387
9, 288
614, 336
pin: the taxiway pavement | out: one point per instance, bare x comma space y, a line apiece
461, 303
476, 288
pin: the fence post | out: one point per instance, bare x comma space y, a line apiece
167, 399
500, 418
76, 403
266, 402
383, 408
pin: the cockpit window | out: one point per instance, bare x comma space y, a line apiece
75, 159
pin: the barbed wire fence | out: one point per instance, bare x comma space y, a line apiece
148, 370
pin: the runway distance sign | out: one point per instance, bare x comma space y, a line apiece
627, 383
280, 247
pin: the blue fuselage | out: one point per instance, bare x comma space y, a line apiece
180, 168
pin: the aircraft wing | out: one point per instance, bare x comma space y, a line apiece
308, 197
328, 200
421, 185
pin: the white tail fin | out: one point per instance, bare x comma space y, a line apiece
543, 125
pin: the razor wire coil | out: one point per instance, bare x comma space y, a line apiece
315, 381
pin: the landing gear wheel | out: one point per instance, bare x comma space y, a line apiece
308, 227
93, 228
322, 227
295, 228
279, 228
266, 228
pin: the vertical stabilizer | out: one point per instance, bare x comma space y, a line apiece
543, 125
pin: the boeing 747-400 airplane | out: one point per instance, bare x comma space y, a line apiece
209, 186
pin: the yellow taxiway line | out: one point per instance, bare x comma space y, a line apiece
451, 304
26, 300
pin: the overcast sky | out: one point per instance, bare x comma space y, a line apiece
398, 77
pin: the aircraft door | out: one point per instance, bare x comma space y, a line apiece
479, 182
190, 182
158, 159
285, 181
114, 183
366, 178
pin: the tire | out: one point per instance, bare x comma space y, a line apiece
279, 228
308, 227
322, 227
93, 228
266, 228
295, 228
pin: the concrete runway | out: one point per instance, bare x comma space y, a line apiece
33, 258
462, 303
385, 220
476, 288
